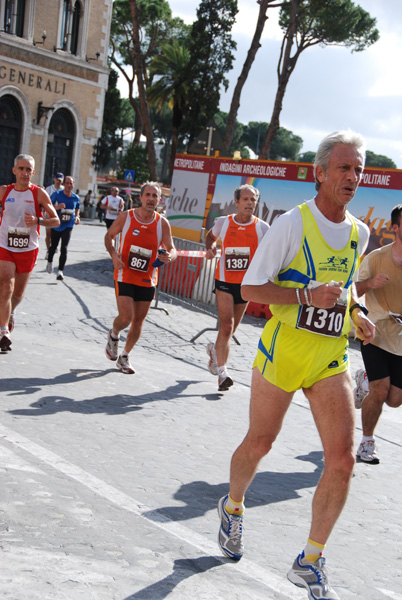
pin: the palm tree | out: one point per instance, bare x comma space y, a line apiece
171, 68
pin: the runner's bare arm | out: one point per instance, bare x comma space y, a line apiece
112, 232
2, 191
167, 241
210, 245
323, 296
51, 220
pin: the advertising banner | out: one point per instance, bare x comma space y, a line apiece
185, 209
285, 185
282, 186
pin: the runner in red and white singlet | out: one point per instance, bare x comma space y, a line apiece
23, 204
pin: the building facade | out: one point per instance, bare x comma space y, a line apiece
53, 78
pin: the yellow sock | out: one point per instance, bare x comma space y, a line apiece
234, 508
312, 551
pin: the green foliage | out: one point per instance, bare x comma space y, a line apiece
171, 86
211, 49
109, 140
379, 161
372, 160
328, 22
307, 157
126, 114
157, 27
136, 159
238, 142
286, 145
162, 123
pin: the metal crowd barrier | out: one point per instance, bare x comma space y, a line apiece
189, 280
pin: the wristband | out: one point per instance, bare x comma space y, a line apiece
360, 307
40, 221
298, 296
306, 296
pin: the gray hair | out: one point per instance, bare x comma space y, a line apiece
153, 184
246, 186
348, 137
27, 157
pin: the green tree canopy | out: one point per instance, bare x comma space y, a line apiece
112, 122
238, 141
135, 159
307, 157
286, 145
379, 160
171, 87
308, 23
211, 49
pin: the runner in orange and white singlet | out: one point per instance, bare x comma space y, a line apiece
20, 220
240, 235
143, 232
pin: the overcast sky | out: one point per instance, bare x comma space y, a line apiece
331, 88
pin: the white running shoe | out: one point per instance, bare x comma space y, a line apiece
230, 537
123, 364
367, 453
60, 276
5, 342
213, 361
313, 577
112, 346
362, 387
224, 381
49, 267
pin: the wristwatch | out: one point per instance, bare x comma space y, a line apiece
360, 307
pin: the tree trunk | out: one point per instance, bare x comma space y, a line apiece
254, 47
286, 65
138, 121
146, 118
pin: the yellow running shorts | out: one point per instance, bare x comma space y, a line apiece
293, 358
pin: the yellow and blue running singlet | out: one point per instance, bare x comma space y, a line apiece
300, 344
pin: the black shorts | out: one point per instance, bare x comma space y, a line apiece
137, 292
380, 364
230, 288
109, 222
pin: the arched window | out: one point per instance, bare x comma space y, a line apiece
70, 26
14, 17
10, 135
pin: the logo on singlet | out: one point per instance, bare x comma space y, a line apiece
336, 262
10, 199
136, 232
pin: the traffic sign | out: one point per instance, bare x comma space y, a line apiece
129, 175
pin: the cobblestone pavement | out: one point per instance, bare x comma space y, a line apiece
109, 483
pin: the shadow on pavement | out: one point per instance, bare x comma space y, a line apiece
268, 487
112, 405
182, 569
95, 271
